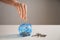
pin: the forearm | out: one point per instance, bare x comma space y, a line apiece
10, 2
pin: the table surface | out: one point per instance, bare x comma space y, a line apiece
10, 32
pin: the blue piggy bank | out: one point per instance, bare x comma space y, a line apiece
25, 30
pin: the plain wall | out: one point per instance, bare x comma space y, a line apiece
39, 12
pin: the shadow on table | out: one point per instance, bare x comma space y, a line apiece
10, 36
18, 36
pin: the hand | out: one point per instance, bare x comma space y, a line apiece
22, 10
21, 7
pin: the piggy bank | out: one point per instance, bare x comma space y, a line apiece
25, 30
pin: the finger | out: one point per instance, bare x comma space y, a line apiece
25, 7
21, 8
19, 11
24, 11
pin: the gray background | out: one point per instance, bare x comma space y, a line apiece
39, 12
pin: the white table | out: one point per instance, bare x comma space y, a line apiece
52, 32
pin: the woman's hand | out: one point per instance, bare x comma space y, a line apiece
22, 10
21, 7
